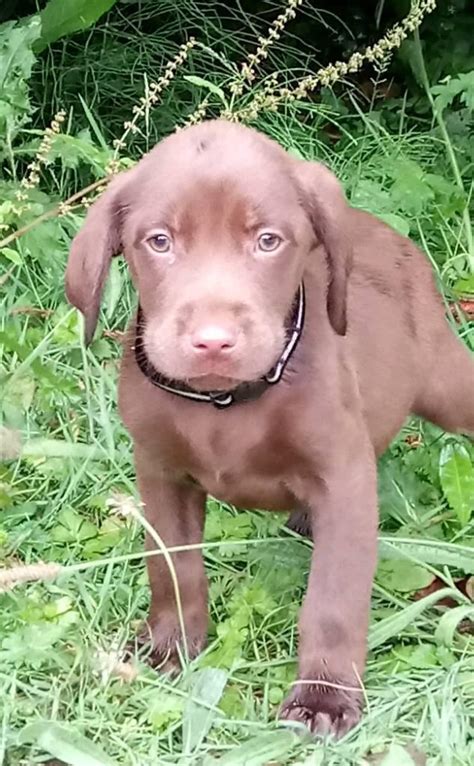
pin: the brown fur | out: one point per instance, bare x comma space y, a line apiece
375, 348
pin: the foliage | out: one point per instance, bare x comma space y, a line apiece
63, 17
64, 691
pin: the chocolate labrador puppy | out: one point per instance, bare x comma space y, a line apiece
281, 340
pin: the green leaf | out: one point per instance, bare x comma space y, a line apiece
423, 656
295, 152
457, 480
64, 743
58, 448
464, 286
452, 87
32, 645
10, 444
111, 532
165, 710
401, 225
12, 255
450, 621
403, 575
258, 751
16, 63
446, 92
21, 392
200, 710
72, 527
396, 623
438, 553
113, 289
94, 125
64, 17
397, 756
202, 83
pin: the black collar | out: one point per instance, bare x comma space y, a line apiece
243, 392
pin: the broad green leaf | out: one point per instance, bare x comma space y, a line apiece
403, 575
410, 191
165, 710
450, 88
401, 225
20, 393
12, 255
456, 474
72, 527
111, 532
64, 743
465, 286
202, 83
200, 710
422, 656
450, 621
74, 150
391, 626
15, 49
258, 751
295, 152
64, 17
32, 645
16, 63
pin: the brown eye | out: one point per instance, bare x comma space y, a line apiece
268, 242
160, 243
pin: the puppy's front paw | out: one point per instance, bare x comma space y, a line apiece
166, 651
323, 709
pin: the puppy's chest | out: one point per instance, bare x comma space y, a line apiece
236, 462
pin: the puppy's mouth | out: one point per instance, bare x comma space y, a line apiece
214, 382
246, 372
224, 375
216, 375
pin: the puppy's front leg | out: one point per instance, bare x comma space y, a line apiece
176, 511
334, 618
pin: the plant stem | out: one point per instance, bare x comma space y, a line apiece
437, 113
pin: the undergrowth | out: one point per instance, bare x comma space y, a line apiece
67, 477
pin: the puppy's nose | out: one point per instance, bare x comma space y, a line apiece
213, 339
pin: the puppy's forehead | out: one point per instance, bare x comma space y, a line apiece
232, 168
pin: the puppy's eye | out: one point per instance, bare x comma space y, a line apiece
269, 241
160, 243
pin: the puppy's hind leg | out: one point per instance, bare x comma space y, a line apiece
447, 395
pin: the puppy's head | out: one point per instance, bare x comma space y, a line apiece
217, 224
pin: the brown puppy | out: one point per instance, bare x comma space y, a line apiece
251, 267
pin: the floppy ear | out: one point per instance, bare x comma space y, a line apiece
325, 203
91, 251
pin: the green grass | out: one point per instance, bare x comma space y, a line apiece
59, 638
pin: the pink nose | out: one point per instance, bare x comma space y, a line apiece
213, 339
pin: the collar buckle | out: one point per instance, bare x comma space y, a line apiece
221, 399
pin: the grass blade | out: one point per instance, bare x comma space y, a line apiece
435, 552
65, 744
396, 623
258, 751
200, 711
